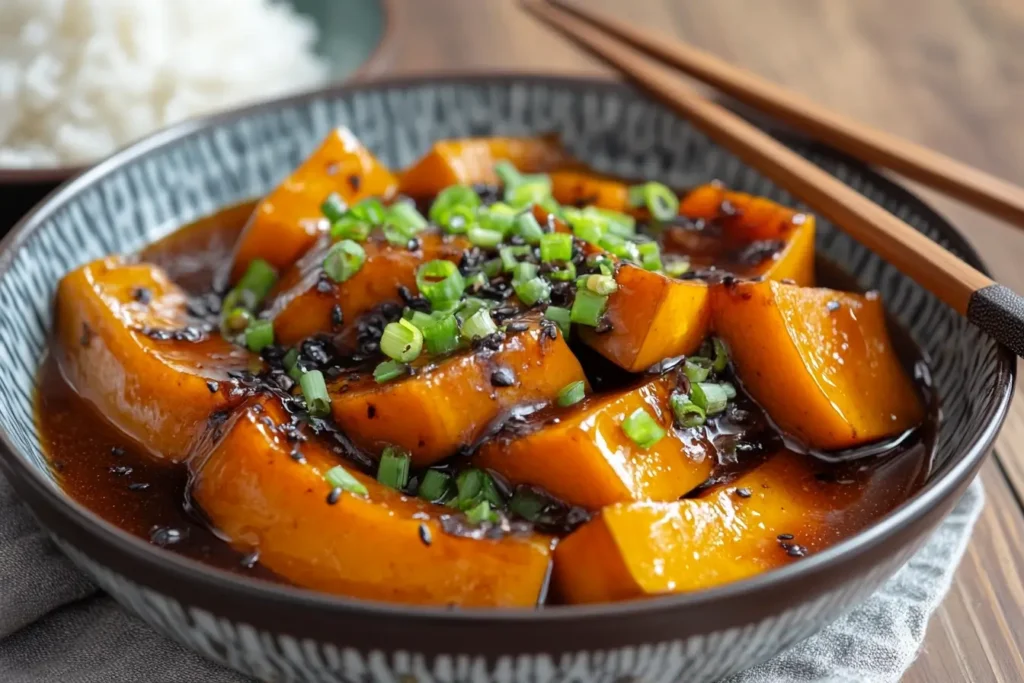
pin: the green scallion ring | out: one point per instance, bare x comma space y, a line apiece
340, 478
687, 413
334, 207
393, 468
556, 246
441, 283
259, 335
561, 317
642, 429
479, 325
533, 291
343, 260
587, 308
442, 335
389, 370
435, 486
314, 390
572, 393
659, 200
401, 341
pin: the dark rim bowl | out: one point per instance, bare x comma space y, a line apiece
795, 599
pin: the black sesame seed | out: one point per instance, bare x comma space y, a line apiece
334, 496
120, 470
212, 386
743, 492
371, 411
142, 295
138, 486
116, 451
324, 284
164, 536
785, 537
86, 335
355, 182
250, 560
832, 306
503, 377
337, 317
796, 551
517, 327
425, 536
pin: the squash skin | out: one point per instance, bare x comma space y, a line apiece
586, 459
829, 378
370, 547
300, 309
156, 391
286, 223
468, 161
407, 412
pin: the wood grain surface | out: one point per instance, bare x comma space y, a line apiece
948, 74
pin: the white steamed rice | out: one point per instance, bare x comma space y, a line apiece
80, 78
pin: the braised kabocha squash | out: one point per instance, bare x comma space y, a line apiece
493, 379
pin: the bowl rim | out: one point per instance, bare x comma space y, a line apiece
193, 572
374, 64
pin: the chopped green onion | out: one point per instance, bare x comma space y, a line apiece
721, 355
401, 341
489, 492
291, 364
687, 413
729, 389
479, 325
524, 271
532, 189
470, 484
441, 283
418, 318
615, 222
476, 282
481, 513
393, 469
676, 266
588, 307
340, 478
534, 291
619, 246
458, 220
389, 370
333, 207
405, 217
642, 429
602, 262
527, 227
442, 335
561, 317
697, 368
314, 390
510, 256
601, 284
471, 305
350, 228
709, 396
484, 238
556, 246
498, 217
508, 174
563, 272
236, 320
434, 486
528, 504
659, 200
259, 335
395, 236
587, 227
650, 256
259, 279
344, 259
571, 393
492, 268
370, 210
451, 197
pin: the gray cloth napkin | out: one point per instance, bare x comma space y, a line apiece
56, 627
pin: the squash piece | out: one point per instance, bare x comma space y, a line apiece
114, 325
730, 532
287, 221
652, 317
585, 458
758, 238
301, 304
450, 402
585, 188
819, 361
468, 161
382, 546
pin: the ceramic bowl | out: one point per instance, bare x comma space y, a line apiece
277, 632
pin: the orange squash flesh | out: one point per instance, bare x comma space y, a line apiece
634, 550
573, 187
820, 362
287, 221
468, 161
155, 390
300, 308
652, 317
450, 402
586, 459
259, 498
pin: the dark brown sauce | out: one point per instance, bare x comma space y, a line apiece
105, 471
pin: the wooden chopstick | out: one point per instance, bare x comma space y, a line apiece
954, 178
993, 307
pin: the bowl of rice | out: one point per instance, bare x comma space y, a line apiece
79, 79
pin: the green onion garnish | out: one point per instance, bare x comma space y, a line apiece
471, 305
697, 368
676, 266
350, 228
340, 478
458, 219
470, 484
524, 271
510, 256
334, 207
532, 189
259, 279
441, 336
235, 320
441, 283
484, 238
527, 227
393, 469
650, 256
619, 246
571, 394
687, 413
533, 291
401, 341
508, 174
314, 390
642, 429
527, 504
709, 396
418, 318
291, 364
729, 389
476, 282
659, 200
479, 325
259, 335
405, 217
602, 262
370, 210
556, 246
721, 354
587, 308
562, 317
563, 272
389, 370
451, 197
601, 284
498, 217
615, 222
434, 486
344, 259
481, 513
492, 268
395, 236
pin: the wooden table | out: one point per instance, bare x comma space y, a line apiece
946, 73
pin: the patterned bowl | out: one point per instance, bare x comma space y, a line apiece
282, 633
